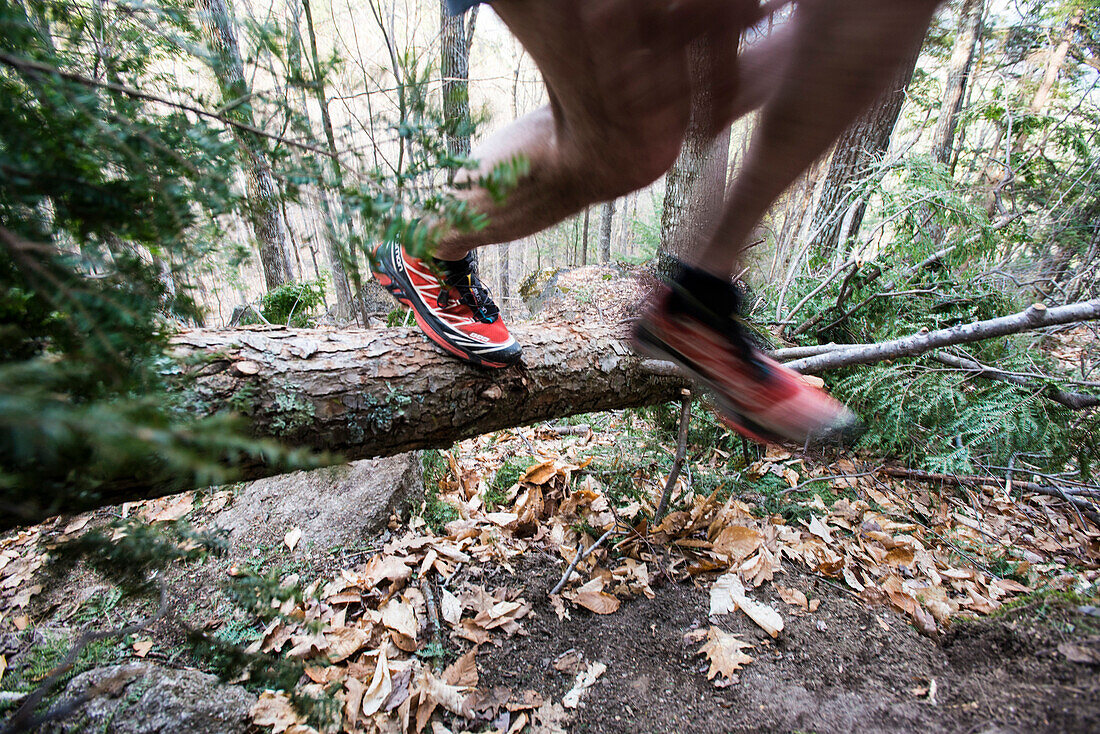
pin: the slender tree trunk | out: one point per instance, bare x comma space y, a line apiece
584, 240
456, 36
695, 186
607, 216
334, 178
1000, 174
263, 193
858, 148
958, 76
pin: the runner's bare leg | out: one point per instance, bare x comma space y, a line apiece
839, 56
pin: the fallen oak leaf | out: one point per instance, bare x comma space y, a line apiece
794, 597
274, 710
343, 642
725, 652
381, 685
463, 672
399, 616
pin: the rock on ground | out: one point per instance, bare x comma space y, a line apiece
143, 698
334, 506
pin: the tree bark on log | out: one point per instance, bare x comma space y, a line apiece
375, 393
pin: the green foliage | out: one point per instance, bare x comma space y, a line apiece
510, 472
436, 512
293, 304
27, 671
99, 196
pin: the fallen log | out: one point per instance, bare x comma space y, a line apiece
361, 393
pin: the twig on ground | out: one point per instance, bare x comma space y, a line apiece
681, 451
431, 599
24, 718
580, 556
1090, 511
1035, 317
798, 487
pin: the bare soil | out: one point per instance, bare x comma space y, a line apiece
843, 668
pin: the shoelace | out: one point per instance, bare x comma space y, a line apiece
471, 293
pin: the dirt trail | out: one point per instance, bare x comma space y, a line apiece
844, 668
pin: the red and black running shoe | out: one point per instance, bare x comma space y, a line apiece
451, 305
692, 322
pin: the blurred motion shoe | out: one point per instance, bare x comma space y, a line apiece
693, 322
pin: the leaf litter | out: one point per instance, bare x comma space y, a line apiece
368, 631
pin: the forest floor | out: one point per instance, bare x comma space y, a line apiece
896, 614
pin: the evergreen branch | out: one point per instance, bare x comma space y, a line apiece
35, 68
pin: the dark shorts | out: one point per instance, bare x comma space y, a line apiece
458, 7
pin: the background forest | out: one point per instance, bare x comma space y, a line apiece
174, 164
171, 165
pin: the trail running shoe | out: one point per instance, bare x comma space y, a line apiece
693, 323
455, 310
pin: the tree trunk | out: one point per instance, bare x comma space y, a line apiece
334, 178
958, 75
455, 38
584, 240
695, 186
607, 216
856, 150
263, 193
505, 251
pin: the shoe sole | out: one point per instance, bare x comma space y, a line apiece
397, 285
649, 345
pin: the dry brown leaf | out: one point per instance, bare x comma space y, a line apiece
381, 685
1080, 653
353, 701
738, 542
591, 596
450, 608
540, 473
583, 682
470, 630
925, 622
142, 647
274, 710
518, 724
529, 699
170, 508
292, 537
343, 642
725, 652
383, 567
819, 529
463, 672
568, 662
76, 525
549, 718
794, 597
399, 616
597, 601
728, 594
